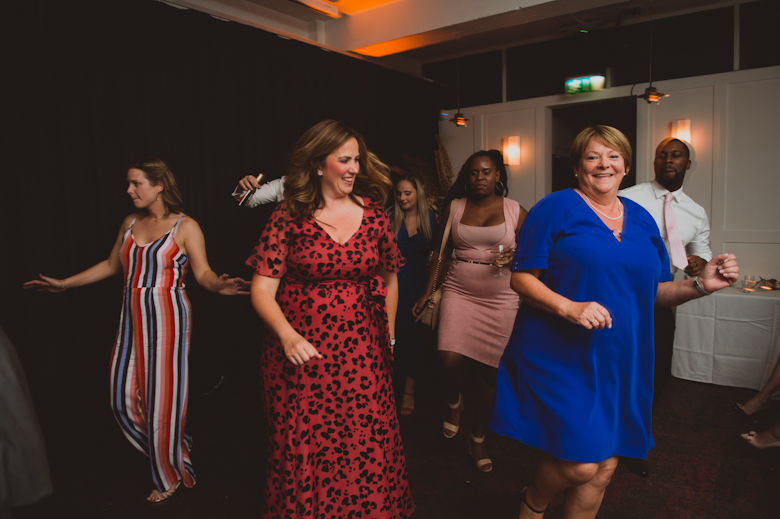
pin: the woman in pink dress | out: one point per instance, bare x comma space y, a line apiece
477, 308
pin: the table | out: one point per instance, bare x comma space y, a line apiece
729, 338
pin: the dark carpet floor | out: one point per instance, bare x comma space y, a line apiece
701, 467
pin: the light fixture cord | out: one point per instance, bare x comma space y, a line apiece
651, 42
457, 78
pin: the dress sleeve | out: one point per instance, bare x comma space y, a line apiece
537, 236
390, 258
268, 258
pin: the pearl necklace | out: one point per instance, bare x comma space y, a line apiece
620, 208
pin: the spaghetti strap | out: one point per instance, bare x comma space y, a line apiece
131, 224
176, 226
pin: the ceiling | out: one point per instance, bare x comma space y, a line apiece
405, 34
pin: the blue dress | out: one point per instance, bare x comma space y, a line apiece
583, 395
411, 337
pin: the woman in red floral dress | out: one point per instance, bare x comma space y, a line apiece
325, 285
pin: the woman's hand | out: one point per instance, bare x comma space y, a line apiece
45, 284
249, 183
420, 304
591, 315
299, 351
720, 272
231, 286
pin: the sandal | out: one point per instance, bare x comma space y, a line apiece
485, 464
451, 430
751, 439
405, 409
157, 497
755, 417
524, 502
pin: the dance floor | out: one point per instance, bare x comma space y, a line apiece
701, 468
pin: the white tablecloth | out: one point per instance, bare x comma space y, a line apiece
729, 338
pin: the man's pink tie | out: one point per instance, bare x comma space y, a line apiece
679, 259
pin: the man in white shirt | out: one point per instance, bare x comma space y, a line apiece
672, 161
272, 191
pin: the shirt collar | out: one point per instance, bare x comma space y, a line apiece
660, 191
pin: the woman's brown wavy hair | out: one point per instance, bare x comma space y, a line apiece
302, 187
157, 172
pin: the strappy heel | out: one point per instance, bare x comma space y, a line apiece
524, 502
484, 462
449, 430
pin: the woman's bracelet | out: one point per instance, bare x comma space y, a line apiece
700, 288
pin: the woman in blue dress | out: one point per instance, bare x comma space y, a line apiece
411, 212
576, 379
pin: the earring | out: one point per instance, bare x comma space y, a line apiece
466, 188
158, 197
319, 172
500, 190
575, 174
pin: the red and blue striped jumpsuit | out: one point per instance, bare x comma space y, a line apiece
149, 370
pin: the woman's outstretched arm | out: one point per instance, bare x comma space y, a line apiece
106, 268
190, 239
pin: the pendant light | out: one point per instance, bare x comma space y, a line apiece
651, 95
459, 119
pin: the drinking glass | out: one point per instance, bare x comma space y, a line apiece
501, 256
750, 283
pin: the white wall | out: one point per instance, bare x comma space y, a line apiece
735, 135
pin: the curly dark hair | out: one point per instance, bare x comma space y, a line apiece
458, 189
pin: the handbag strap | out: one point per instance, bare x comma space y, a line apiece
445, 237
447, 227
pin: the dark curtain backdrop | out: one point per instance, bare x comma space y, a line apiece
90, 84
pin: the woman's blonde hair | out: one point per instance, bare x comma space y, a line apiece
423, 216
606, 135
302, 187
157, 172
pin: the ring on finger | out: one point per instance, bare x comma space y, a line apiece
593, 320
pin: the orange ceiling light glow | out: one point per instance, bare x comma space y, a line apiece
350, 7
385, 48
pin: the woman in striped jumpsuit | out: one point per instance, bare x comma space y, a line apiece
149, 375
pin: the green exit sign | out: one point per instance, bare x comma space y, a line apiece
579, 85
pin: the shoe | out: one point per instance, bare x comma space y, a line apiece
407, 410
524, 502
751, 439
158, 498
485, 464
451, 430
636, 465
753, 418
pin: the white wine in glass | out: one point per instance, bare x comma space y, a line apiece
501, 256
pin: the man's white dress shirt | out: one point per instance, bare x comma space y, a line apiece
269, 192
691, 217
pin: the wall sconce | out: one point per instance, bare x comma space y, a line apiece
681, 129
512, 150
